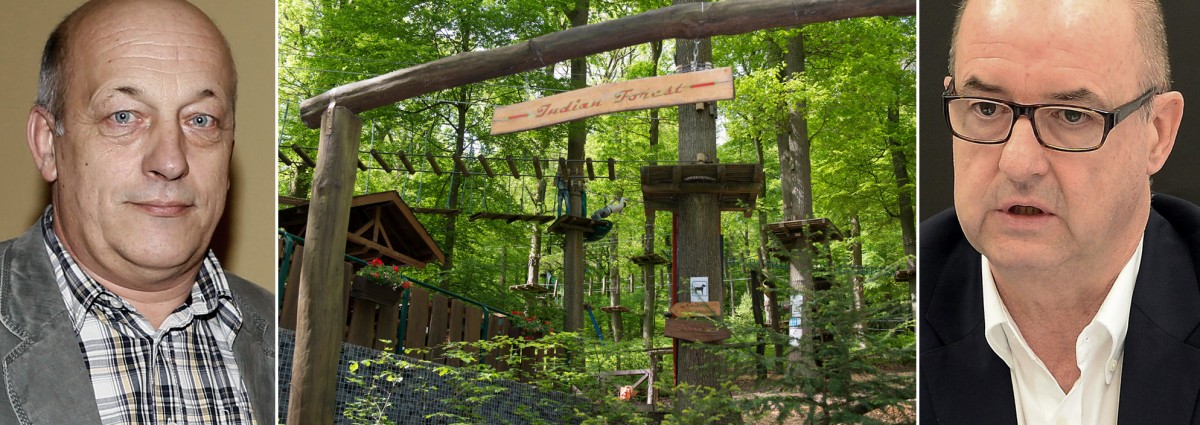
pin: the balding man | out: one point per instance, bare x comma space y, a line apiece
1060, 290
114, 309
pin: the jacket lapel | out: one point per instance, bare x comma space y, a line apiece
44, 373
963, 380
1161, 375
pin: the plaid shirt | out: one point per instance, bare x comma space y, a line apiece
182, 373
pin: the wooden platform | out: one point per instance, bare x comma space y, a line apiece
542, 219
905, 275
737, 185
651, 259
818, 230
614, 309
583, 224
530, 287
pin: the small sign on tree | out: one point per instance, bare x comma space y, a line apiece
699, 288
695, 330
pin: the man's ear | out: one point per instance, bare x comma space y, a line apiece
1168, 113
39, 132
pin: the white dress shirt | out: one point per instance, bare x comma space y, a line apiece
1094, 397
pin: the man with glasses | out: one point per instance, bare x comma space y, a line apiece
1059, 290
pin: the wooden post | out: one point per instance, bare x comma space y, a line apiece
322, 281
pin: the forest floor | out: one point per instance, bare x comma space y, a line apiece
905, 413
750, 387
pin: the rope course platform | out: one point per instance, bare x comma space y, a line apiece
540, 219
530, 287
614, 309
583, 224
651, 259
737, 185
815, 230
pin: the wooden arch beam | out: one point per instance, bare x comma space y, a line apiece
694, 20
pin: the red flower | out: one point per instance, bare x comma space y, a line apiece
376, 262
528, 338
373, 274
529, 319
406, 285
547, 322
396, 268
516, 313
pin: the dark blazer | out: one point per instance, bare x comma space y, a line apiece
963, 382
42, 369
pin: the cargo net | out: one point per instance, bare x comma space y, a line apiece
425, 397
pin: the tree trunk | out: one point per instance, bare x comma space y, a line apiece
771, 297
302, 184
614, 286
650, 304
754, 288
795, 169
856, 263
699, 223
576, 141
535, 239
460, 146
908, 223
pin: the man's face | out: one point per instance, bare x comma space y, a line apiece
1087, 207
142, 171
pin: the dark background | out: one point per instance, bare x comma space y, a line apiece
935, 177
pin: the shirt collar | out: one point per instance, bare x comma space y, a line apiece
1112, 318
80, 291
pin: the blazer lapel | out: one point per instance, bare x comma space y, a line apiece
44, 373
1161, 375
962, 378
46, 381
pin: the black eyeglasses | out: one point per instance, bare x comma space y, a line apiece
1060, 127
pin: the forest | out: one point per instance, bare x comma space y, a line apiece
827, 110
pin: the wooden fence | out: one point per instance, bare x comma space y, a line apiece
419, 318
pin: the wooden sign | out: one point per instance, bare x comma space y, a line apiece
695, 330
644, 93
705, 309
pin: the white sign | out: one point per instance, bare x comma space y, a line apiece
797, 304
795, 333
699, 289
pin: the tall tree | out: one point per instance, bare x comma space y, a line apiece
795, 176
576, 142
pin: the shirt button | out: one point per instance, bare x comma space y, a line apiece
1112, 366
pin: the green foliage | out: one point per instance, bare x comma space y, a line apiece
857, 93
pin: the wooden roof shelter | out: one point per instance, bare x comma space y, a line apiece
381, 226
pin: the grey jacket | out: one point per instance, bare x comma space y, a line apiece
42, 369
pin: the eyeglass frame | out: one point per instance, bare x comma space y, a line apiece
1111, 118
